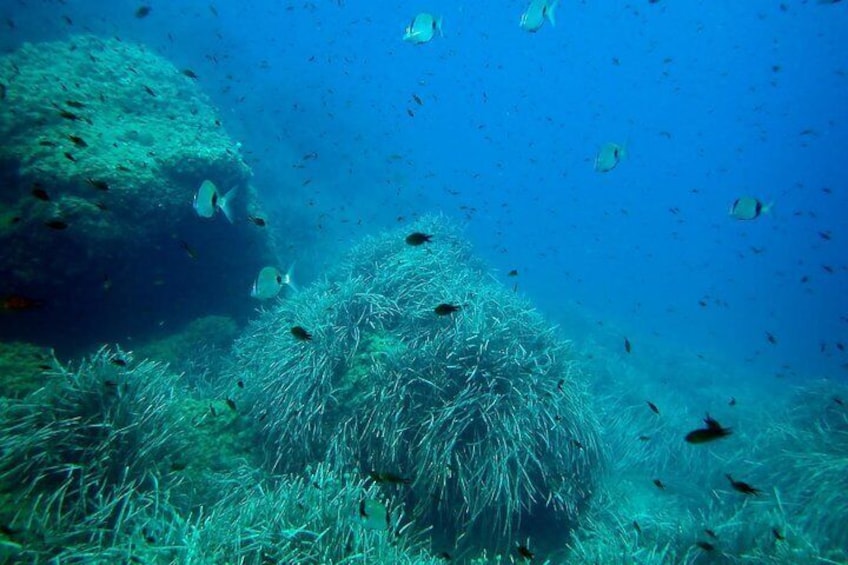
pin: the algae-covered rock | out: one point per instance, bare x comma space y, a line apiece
208, 337
479, 419
91, 110
104, 146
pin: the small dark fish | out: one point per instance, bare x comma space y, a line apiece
389, 478
770, 338
713, 431
56, 225
98, 184
232, 404
417, 100
240, 383
70, 157
18, 302
110, 384
418, 238
143, 11
7, 530
732, 401
47, 143
188, 249
74, 104
446, 309
444, 555
644, 438
179, 465
560, 385
512, 273
189, 73
40, 193
78, 141
123, 168
2, 91
213, 411
410, 113
742, 487
659, 484
777, 535
653, 407
68, 20
301, 334
69, 115
118, 361
838, 401
627, 346
149, 90
637, 527
258, 221
711, 533
705, 545
524, 552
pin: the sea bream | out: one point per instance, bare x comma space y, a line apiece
422, 28
536, 14
608, 157
270, 281
207, 201
748, 208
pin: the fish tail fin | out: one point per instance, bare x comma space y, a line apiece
439, 26
550, 12
225, 201
288, 280
768, 208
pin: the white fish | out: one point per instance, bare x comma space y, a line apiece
536, 13
749, 208
373, 515
609, 156
207, 200
270, 281
422, 28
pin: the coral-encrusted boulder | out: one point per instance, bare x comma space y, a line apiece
103, 147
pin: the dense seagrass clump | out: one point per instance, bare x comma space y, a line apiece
84, 461
478, 418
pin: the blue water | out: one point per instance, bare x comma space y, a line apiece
712, 101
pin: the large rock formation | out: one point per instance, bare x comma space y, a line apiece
103, 147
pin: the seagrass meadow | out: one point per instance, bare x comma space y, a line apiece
395, 435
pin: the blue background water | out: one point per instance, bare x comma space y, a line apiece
710, 100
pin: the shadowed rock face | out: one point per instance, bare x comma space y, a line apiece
107, 143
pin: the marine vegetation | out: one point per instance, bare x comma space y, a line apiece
112, 463
792, 450
82, 456
481, 413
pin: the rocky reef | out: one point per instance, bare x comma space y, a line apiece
104, 146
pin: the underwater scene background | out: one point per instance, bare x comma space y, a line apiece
539, 281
